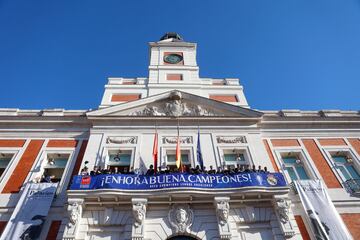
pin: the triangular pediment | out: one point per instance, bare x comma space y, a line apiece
175, 104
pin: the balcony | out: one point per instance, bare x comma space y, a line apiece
353, 186
254, 182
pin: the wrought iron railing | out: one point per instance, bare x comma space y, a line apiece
353, 186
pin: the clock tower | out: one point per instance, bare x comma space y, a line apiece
173, 65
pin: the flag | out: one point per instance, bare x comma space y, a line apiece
198, 152
326, 222
155, 152
178, 153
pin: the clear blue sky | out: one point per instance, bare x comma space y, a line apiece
288, 54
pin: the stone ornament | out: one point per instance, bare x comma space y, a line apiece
222, 210
283, 212
181, 218
173, 140
139, 213
231, 140
174, 107
283, 208
121, 140
75, 213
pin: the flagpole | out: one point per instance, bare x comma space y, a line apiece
155, 149
178, 151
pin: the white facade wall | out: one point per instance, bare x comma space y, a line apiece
109, 214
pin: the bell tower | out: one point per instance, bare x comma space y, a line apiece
172, 63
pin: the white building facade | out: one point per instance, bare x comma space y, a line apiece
174, 101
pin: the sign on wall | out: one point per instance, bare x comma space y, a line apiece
177, 180
326, 222
28, 218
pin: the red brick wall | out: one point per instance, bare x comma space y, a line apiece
355, 143
271, 156
224, 98
62, 143
302, 228
285, 142
321, 164
79, 159
22, 169
54, 230
332, 142
12, 142
125, 97
352, 221
2, 226
177, 77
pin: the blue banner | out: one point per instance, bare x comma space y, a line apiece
177, 180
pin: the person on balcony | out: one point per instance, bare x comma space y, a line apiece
150, 171
84, 171
211, 170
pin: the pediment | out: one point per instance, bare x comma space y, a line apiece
175, 104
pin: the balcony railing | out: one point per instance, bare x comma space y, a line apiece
353, 186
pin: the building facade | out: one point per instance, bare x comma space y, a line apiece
178, 105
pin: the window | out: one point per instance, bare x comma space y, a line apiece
176, 77
234, 157
344, 165
120, 159
294, 167
5, 159
171, 158
224, 98
55, 166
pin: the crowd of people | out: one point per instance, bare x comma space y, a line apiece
184, 169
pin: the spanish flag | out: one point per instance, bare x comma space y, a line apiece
178, 154
155, 152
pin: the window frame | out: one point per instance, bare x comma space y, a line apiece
13, 159
330, 151
222, 150
108, 150
166, 149
305, 160
40, 164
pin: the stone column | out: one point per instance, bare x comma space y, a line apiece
139, 214
284, 215
222, 208
74, 209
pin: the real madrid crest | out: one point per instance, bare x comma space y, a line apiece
271, 179
181, 218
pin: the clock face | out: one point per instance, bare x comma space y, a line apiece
173, 58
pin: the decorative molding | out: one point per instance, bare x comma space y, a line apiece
222, 212
181, 218
231, 140
173, 140
122, 140
139, 214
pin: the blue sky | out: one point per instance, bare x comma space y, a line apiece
288, 54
